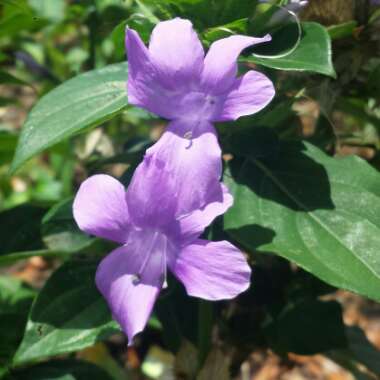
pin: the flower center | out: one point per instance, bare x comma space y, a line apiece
153, 250
196, 106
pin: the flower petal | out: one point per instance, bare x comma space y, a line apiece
130, 298
192, 155
176, 52
249, 94
152, 195
212, 270
220, 66
145, 88
192, 225
100, 208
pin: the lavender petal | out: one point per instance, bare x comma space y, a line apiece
212, 270
248, 95
100, 208
220, 65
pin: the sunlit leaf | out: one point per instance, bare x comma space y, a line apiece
69, 314
322, 213
82, 102
312, 54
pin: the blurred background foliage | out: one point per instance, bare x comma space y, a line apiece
283, 166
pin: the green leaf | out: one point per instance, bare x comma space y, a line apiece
117, 37
137, 22
59, 230
308, 328
11, 25
8, 142
13, 293
235, 27
61, 234
3, 57
342, 30
82, 102
20, 229
176, 313
67, 369
15, 301
20, 5
358, 109
3, 371
312, 54
69, 314
204, 13
4, 101
361, 357
373, 82
12, 257
362, 350
6, 78
50, 10
320, 212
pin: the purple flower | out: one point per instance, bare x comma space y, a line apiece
175, 80
152, 223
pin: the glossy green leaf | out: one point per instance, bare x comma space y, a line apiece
312, 54
320, 212
67, 369
69, 314
82, 102
308, 328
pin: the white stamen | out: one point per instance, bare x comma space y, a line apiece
189, 135
165, 270
146, 258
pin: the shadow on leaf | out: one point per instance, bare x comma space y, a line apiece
290, 178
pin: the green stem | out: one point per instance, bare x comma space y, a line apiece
205, 323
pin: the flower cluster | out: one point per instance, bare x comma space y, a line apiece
175, 192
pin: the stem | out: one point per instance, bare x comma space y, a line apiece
205, 323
